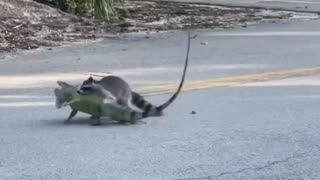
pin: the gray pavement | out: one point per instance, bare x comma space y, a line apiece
258, 48
256, 131
292, 5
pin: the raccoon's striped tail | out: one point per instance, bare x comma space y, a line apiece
157, 111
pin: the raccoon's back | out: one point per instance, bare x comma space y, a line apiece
115, 85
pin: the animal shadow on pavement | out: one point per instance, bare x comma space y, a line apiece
86, 121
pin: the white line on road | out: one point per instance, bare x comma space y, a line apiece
135, 74
301, 81
26, 104
263, 34
288, 1
24, 97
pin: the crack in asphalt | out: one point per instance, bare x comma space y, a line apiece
270, 164
204, 178
258, 168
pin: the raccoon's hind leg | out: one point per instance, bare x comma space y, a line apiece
72, 114
121, 102
134, 106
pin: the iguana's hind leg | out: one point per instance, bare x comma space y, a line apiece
72, 114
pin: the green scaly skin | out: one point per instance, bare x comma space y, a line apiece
94, 106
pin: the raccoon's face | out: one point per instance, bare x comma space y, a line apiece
89, 87
65, 94
86, 86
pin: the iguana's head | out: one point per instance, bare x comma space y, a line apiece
64, 95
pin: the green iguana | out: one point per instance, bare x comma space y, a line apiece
93, 105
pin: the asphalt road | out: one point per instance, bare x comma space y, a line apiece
292, 5
252, 130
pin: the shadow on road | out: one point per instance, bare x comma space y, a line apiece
83, 121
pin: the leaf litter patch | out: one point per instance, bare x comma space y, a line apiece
29, 25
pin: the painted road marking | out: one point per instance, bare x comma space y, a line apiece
229, 81
264, 34
189, 86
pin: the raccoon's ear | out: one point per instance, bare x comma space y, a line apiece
90, 80
63, 84
56, 91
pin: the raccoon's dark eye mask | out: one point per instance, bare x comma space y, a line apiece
86, 88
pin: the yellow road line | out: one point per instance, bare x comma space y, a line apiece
229, 81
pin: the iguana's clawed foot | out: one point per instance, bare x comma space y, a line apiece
72, 114
136, 121
95, 124
95, 121
122, 122
131, 122
143, 122
67, 122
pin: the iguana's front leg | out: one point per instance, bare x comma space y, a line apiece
72, 114
96, 119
